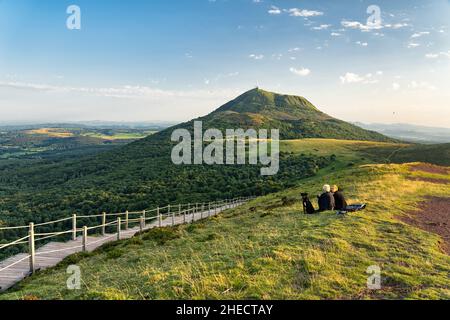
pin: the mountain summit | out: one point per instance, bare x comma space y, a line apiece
295, 116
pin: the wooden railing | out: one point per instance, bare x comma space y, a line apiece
121, 221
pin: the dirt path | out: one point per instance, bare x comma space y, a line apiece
432, 215
430, 180
430, 168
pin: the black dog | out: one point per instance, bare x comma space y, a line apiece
308, 208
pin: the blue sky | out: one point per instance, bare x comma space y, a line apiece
175, 60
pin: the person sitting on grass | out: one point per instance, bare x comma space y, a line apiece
326, 199
339, 199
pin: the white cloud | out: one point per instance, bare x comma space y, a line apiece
369, 27
295, 12
396, 25
358, 25
437, 55
274, 10
432, 55
412, 45
362, 44
335, 34
396, 86
256, 56
422, 85
369, 78
277, 56
300, 72
419, 34
322, 27
350, 77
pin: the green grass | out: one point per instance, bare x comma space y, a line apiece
357, 152
268, 249
347, 151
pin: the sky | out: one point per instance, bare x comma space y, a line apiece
176, 60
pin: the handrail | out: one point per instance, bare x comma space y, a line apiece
115, 214
16, 262
191, 208
18, 241
172, 211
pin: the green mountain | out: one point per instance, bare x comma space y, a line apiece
296, 117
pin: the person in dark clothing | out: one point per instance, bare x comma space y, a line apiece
339, 199
326, 199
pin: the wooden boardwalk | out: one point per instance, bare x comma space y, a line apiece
17, 268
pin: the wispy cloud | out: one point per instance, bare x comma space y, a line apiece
300, 72
370, 27
419, 34
422, 85
274, 10
370, 78
256, 56
125, 92
437, 55
413, 45
362, 44
295, 12
322, 27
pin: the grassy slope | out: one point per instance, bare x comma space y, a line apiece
267, 249
349, 151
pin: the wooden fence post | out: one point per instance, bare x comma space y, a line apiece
159, 217
141, 224
104, 223
193, 215
126, 220
201, 211
119, 226
74, 227
144, 213
85, 231
209, 209
171, 214
32, 251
